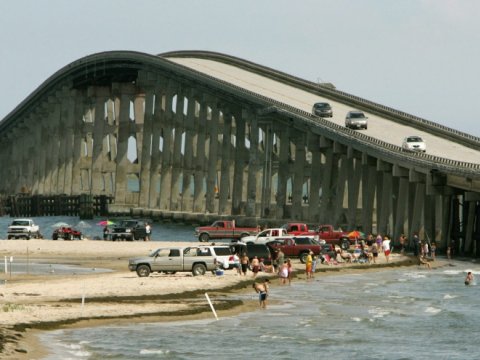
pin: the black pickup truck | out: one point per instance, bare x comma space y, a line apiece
131, 229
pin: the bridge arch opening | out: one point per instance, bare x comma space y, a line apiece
132, 150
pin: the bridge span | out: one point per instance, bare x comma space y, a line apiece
205, 134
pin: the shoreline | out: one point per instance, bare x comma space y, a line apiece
121, 296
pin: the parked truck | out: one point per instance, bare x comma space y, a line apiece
170, 260
223, 229
301, 229
23, 229
266, 236
297, 247
323, 232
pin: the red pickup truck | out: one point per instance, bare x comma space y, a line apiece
223, 229
324, 232
297, 247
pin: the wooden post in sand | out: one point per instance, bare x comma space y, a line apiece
211, 306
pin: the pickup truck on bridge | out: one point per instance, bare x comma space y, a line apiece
223, 229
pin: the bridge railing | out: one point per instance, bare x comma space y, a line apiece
334, 94
350, 137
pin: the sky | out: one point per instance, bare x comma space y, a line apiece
418, 56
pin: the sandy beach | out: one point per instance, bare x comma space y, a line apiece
35, 302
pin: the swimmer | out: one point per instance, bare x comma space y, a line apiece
469, 278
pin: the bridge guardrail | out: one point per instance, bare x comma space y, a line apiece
394, 114
387, 149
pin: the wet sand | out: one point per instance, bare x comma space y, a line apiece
31, 303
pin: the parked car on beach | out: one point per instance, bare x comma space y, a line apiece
261, 251
67, 233
170, 260
23, 229
266, 235
131, 229
223, 253
223, 229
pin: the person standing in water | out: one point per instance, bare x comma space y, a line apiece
262, 291
469, 278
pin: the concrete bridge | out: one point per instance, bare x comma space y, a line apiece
206, 134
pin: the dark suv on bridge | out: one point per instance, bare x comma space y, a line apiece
322, 109
131, 229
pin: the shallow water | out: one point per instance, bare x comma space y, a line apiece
21, 265
407, 313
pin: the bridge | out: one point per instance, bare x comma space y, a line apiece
201, 134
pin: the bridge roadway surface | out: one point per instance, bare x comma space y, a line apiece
378, 127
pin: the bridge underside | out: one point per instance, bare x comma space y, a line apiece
156, 140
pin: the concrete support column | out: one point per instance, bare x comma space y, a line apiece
369, 173
400, 226
189, 146
326, 184
177, 157
315, 178
429, 218
212, 185
43, 132
122, 162
266, 161
440, 227
298, 177
354, 176
65, 130
253, 167
166, 170
157, 154
340, 190
52, 123
417, 213
283, 172
14, 160
66, 146
386, 208
77, 120
225, 165
469, 244
98, 96
241, 158
146, 150
199, 177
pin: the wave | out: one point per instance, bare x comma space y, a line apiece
432, 310
150, 351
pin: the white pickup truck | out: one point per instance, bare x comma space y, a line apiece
23, 229
267, 235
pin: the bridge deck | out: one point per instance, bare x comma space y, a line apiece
378, 127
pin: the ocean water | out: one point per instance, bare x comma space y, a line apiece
405, 313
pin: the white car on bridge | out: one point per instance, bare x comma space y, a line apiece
414, 143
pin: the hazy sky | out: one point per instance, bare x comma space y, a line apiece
419, 56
